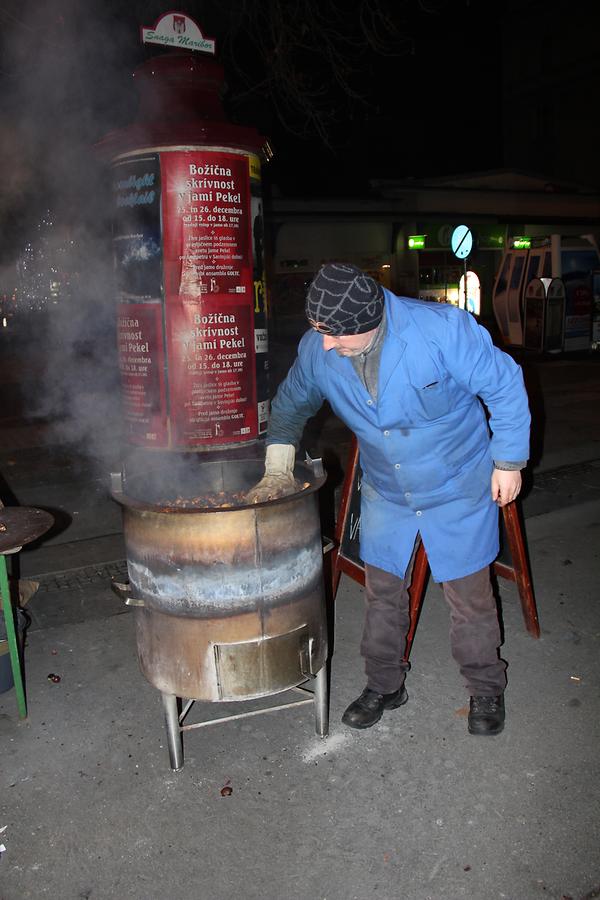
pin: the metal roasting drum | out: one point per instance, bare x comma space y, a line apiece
228, 601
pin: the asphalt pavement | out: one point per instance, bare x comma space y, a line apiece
412, 809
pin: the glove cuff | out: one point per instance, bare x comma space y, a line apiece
279, 459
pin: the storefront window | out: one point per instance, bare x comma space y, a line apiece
439, 277
515, 280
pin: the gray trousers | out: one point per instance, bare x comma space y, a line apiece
474, 631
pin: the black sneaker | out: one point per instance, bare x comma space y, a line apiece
486, 715
369, 707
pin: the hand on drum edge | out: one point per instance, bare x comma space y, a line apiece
278, 480
271, 487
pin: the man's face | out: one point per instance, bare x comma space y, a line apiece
348, 344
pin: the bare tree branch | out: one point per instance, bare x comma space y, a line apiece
309, 58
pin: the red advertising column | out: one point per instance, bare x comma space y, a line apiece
191, 318
208, 275
140, 311
188, 250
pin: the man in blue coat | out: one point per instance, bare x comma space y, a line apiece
408, 377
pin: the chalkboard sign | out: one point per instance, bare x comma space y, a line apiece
350, 536
504, 557
511, 563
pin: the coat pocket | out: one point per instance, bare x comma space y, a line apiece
433, 400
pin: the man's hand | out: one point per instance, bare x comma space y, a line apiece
278, 480
505, 486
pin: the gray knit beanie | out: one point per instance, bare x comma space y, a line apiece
343, 300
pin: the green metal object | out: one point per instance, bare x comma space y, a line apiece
13, 647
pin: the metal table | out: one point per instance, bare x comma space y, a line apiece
19, 525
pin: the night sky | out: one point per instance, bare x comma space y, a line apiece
428, 102
434, 108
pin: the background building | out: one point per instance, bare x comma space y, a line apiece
374, 233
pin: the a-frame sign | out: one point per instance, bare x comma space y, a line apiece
512, 563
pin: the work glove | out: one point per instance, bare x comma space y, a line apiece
278, 480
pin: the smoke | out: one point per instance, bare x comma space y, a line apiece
65, 82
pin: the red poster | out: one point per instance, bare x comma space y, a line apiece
209, 292
141, 361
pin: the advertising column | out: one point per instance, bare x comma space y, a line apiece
203, 279
138, 273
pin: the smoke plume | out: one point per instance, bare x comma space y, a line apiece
66, 82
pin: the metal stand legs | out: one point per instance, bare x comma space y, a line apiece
322, 703
174, 721
173, 733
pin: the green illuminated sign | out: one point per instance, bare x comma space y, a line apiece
490, 237
521, 243
416, 241
486, 236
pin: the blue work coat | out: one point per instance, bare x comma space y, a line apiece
426, 450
